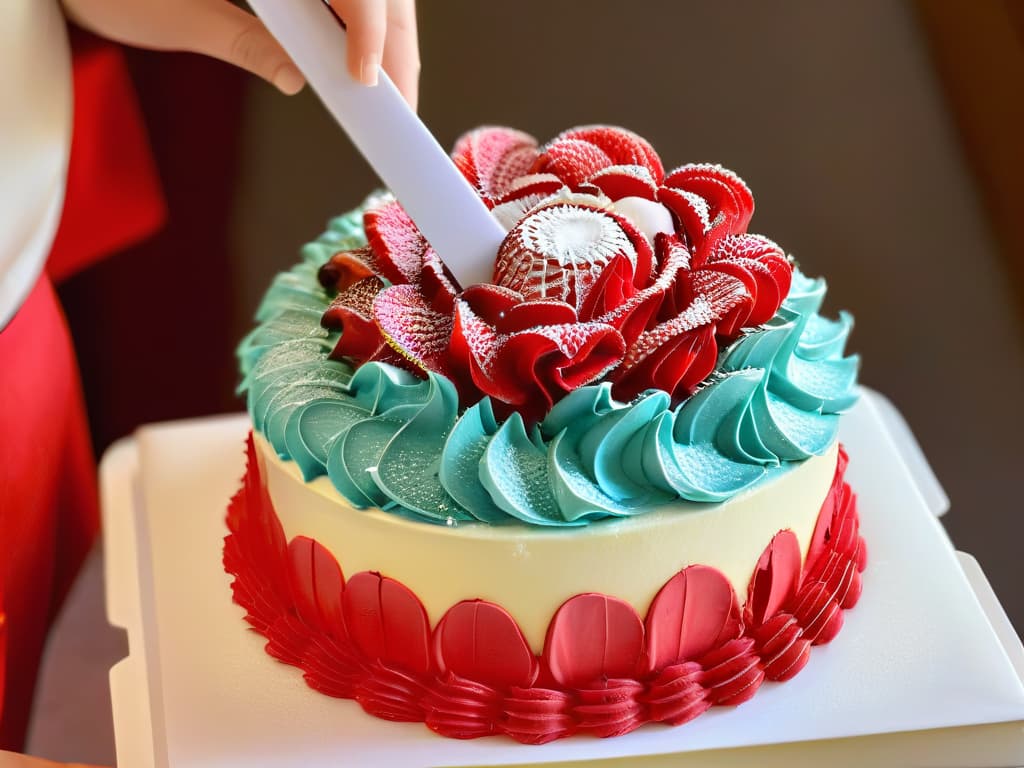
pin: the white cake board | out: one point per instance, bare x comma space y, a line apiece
927, 648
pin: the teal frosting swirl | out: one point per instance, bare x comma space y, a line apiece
388, 439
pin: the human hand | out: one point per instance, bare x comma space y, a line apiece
379, 32
12, 760
382, 32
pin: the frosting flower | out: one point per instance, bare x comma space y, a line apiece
611, 270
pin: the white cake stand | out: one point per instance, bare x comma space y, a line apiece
926, 671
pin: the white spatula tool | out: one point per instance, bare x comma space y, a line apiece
391, 137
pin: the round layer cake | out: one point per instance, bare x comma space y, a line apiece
603, 490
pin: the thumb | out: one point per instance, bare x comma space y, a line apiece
228, 33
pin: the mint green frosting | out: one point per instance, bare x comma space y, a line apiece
386, 438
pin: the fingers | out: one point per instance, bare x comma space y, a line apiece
379, 32
366, 23
226, 32
212, 27
402, 49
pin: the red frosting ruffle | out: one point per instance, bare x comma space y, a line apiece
604, 670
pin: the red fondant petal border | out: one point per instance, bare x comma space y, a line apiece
368, 638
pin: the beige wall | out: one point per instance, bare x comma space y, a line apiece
832, 114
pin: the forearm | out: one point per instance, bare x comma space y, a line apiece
13, 760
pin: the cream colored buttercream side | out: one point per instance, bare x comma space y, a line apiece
531, 571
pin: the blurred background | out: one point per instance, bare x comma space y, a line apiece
881, 140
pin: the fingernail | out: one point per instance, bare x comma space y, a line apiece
368, 66
289, 80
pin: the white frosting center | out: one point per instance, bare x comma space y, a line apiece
646, 215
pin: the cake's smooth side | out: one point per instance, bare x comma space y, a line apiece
530, 571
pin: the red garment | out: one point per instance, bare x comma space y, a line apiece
48, 501
113, 194
48, 506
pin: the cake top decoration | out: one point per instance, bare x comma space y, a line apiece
635, 346
611, 270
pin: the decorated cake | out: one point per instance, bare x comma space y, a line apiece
602, 490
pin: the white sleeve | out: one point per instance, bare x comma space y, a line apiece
35, 138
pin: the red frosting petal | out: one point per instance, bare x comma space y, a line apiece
768, 273
584, 351
396, 242
741, 314
748, 246
480, 641
437, 284
623, 147
413, 327
610, 708
818, 613
316, 584
538, 715
611, 291
392, 694
732, 672
593, 637
775, 580
532, 368
709, 295
693, 213
462, 709
821, 536
346, 268
727, 195
473, 355
559, 358
541, 184
574, 161
839, 575
783, 648
620, 181
633, 314
492, 158
670, 357
677, 694
693, 613
530, 314
352, 312
387, 622
491, 303
333, 667
264, 590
